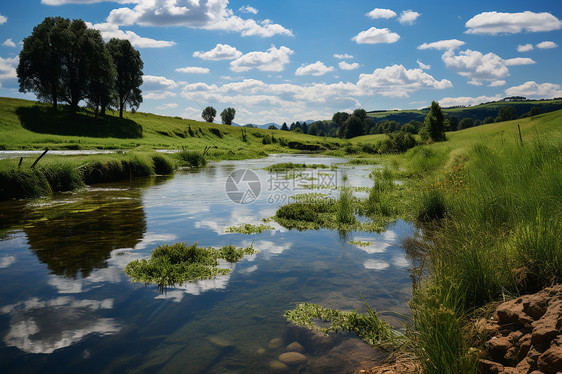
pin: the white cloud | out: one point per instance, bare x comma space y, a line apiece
467, 101
442, 44
547, 45
497, 83
274, 59
346, 66
157, 88
220, 52
397, 81
494, 23
318, 68
193, 70
408, 17
475, 65
422, 65
376, 265
381, 13
375, 36
7, 261
9, 43
342, 56
475, 83
201, 14
519, 61
167, 106
535, 90
3, 19
8, 68
64, 2
524, 47
248, 9
109, 31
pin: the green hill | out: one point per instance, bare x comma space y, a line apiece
477, 112
26, 124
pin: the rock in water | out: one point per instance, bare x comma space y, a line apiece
278, 366
292, 358
275, 344
295, 347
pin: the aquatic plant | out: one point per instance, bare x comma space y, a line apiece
248, 229
176, 264
192, 158
163, 165
345, 211
290, 166
359, 243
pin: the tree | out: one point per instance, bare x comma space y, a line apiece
353, 127
101, 86
434, 124
128, 66
285, 127
40, 65
227, 115
488, 119
313, 129
339, 118
506, 113
272, 127
360, 113
465, 123
209, 114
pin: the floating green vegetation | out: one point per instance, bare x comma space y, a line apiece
359, 243
368, 326
283, 166
176, 264
248, 229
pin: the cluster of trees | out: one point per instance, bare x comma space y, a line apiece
65, 61
227, 115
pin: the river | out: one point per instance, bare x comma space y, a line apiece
66, 305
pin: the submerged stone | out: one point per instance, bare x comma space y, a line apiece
295, 347
292, 358
275, 344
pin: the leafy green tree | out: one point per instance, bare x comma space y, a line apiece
128, 65
101, 86
488, 119
353, 127
535, 111
209, 114
313, 129
40, 65
272, 127
506, 113
284, 127
360, 113
339, 118
434, 123
227, 115
466, 123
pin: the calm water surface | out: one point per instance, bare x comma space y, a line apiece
67, 306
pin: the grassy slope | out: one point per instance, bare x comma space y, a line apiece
158, 132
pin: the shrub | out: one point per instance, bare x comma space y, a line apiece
163, 165
192, 158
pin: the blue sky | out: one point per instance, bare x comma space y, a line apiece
283, 61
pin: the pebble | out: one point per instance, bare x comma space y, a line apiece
292, 358
295, 347
278, 366
261, 351
275, 344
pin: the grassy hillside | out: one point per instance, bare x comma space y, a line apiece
477, 112
25, 124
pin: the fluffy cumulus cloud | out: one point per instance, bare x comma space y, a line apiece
494, 23
193, 70
109, 31
524, 47
381, 13
467, 101
8, 69
497, 83
476, 83
3, 19
422, 65
248, 9
9, 43
535, 90
156, 87
478, 66
202, 14
318, 68
347, 66
342, 56
442, 44
547, 45
274, 59
397, 81
220, 52
376, 36
408, 17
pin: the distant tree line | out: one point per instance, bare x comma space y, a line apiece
65, 61
346, 125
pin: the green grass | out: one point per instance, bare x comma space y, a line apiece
293, 166
248, 229
176, 264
